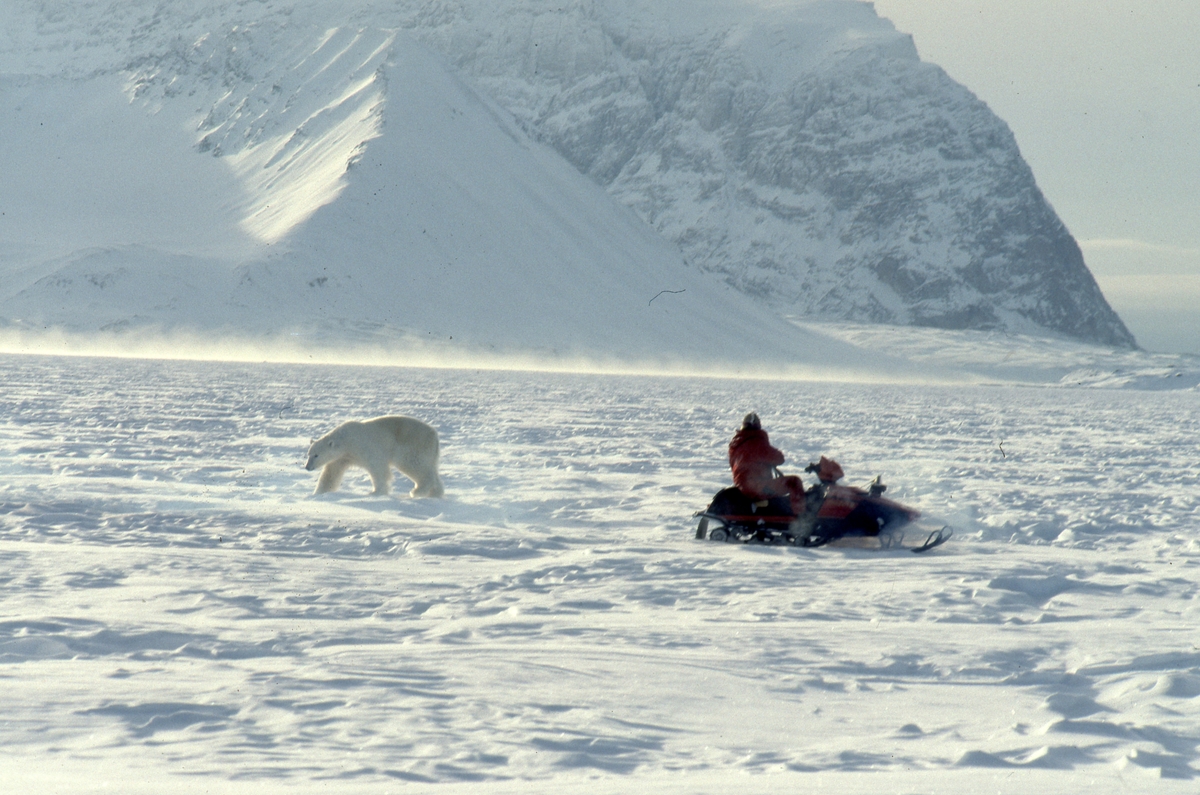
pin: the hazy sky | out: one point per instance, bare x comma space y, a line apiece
1104, 99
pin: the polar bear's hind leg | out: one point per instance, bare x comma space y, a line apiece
435, 488
429, 486
424, 475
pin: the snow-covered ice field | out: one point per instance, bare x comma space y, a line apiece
179, 613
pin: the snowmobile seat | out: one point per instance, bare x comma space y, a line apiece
731, 502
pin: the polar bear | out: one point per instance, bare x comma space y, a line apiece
375, 445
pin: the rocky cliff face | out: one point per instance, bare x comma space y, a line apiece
804, 153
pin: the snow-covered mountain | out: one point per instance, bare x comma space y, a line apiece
434, 173
800, 150
338, 185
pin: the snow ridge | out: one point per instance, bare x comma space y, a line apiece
291, 118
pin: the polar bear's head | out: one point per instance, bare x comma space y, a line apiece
324, 450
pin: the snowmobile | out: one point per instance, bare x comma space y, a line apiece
834, 513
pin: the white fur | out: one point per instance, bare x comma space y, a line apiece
376, 445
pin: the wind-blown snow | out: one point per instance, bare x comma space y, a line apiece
180, 614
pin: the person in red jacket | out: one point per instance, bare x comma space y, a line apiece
753, 461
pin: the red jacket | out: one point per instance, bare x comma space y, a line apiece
753, 461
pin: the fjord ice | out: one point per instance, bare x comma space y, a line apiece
180, 613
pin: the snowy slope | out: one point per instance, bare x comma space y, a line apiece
310, 173
483, 236
180, 615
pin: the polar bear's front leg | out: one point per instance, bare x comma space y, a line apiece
331, 475
381, 478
